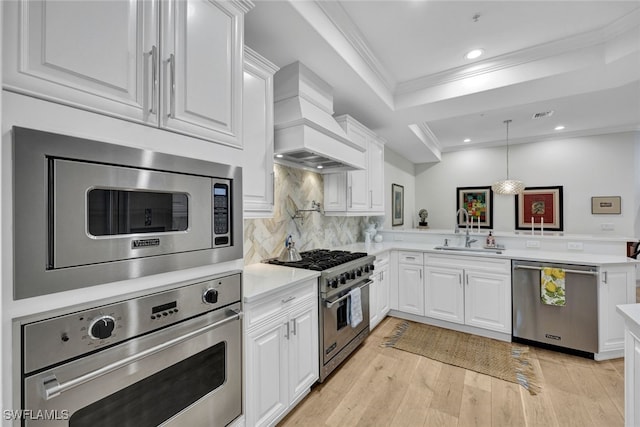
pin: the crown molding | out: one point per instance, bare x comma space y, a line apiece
428, 138
523, 56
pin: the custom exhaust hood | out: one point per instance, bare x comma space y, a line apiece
305, 133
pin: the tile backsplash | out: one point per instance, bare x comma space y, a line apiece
297, 189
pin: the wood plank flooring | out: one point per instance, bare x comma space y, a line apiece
380, 386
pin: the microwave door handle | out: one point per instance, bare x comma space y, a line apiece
51, 387
330, 304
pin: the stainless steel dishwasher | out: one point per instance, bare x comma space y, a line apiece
573, 325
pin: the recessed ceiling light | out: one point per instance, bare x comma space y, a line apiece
319, 166
279, 156
559, 127
467, 140
473, 54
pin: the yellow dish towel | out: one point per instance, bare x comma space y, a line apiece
552, 286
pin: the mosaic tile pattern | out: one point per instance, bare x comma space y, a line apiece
297, 189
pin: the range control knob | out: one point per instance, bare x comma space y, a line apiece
343, 278
371, 267
366, 268
102, 327
359, 271
210, 296
333, 283
352, 274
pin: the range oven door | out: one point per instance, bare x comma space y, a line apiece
100, 213
189, 374
337, 332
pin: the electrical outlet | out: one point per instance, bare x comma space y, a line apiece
533, 243
607, 226
574, 246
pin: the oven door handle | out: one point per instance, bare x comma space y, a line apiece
51, 387
330, 304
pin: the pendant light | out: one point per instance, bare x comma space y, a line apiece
508, 186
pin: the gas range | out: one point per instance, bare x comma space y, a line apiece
339, 269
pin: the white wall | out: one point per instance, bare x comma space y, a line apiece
398, 170
601, 165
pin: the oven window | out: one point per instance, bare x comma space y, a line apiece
157, 398
114, 212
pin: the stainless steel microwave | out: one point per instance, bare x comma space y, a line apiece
89, 212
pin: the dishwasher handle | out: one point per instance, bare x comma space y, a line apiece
533, 267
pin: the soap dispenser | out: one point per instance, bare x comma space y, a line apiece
491, 241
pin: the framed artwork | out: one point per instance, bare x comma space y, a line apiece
606, 205
397, 204
478, 201
539, 207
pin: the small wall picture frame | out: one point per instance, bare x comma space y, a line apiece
397, 204
606, 205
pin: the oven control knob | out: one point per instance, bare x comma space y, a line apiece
343, 278
371, 267
352, 274
333, 283
366, 268
210, 296
102, 327
359, 271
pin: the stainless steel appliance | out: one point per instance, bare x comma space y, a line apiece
172, 358
571, 326
88, 212
341, 272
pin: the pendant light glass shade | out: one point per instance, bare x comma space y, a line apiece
508, 186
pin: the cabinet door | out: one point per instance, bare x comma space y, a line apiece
444, 294
267, 373
358, 191
335, 188
374, 314
410, 289
202, 51
303, 349
257, 134
92, 55
375, 169
617, 286
383, 292
488, 301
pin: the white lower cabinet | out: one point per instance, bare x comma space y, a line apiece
281, 353
410, 283
379, 291
474, 292
616, 286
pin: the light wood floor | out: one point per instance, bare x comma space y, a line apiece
380, 386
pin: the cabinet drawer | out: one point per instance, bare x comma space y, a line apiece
281, 300
494, 265
410, 257
381, 260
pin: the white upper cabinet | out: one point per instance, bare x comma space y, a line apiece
182, 72
359, 192
257, 134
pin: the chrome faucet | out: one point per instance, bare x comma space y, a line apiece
467, 239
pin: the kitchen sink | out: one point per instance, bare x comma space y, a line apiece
463, 249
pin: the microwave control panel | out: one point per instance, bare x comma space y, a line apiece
221, 202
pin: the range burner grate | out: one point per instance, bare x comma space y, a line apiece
319, 259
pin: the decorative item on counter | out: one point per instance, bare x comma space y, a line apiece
423, 215
370, 232
378, 238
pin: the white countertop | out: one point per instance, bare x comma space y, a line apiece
259, 280
631, 315
528, 255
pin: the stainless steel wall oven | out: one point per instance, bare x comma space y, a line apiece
89, 212
172, 358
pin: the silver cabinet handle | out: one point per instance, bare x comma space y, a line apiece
421, 273
52, 387
288, 299
604, 277
294, 326
410, 258
460, 278
530, 267
287, 334
330, 304
273, 188
172, 100
350, 197
370, 198
154, 79
466, 277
